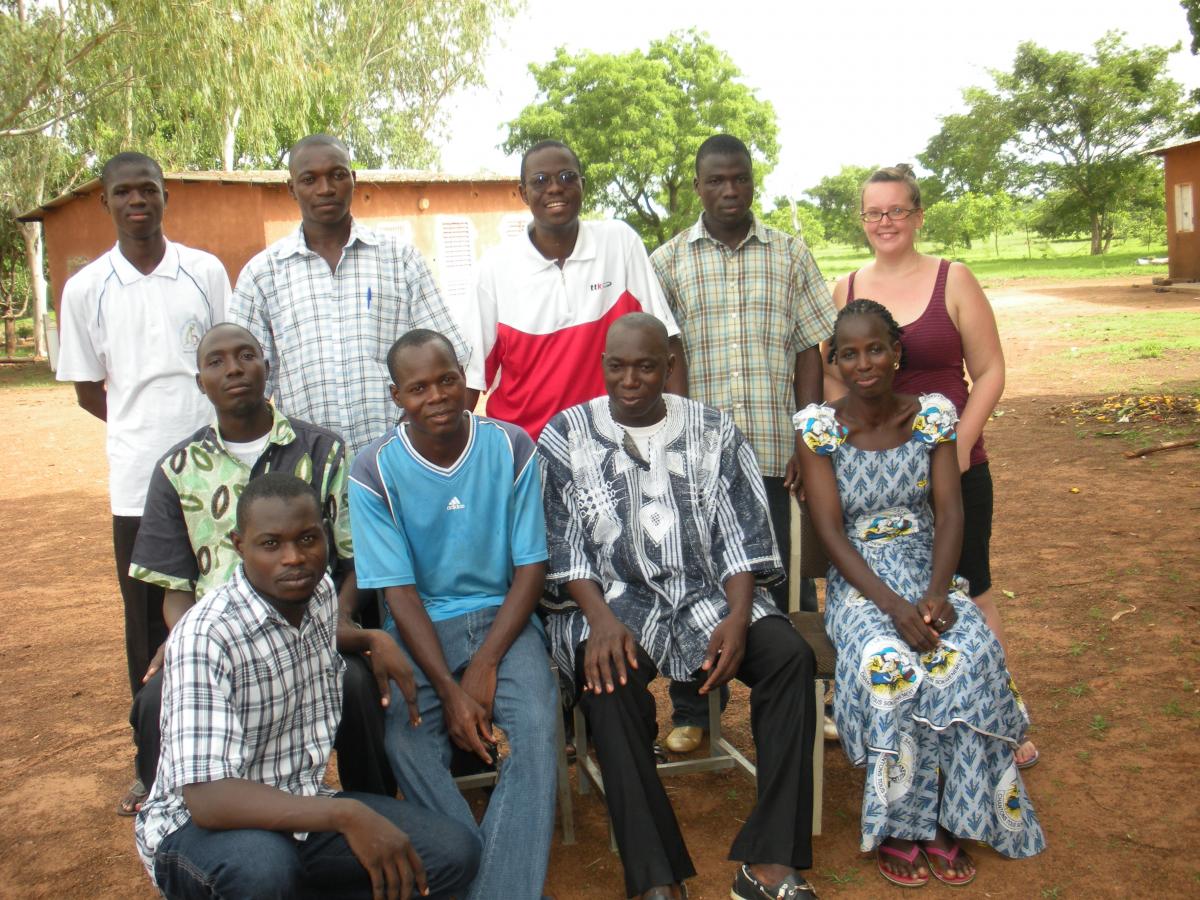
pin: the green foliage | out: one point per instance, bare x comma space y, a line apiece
970, 217
636, 121
797, 217
1070, 127
1192, 8
839, 199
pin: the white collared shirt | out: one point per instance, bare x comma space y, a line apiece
138, 334
326, 333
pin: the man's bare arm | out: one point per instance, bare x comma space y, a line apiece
91, 396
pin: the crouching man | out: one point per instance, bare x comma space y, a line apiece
251, 699
660, 545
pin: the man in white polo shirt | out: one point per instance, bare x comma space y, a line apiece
543, 301
130, 324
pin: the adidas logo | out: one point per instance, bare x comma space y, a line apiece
454, 503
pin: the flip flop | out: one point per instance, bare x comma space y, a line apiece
1032, 761
910, 857
947, 856
131, 803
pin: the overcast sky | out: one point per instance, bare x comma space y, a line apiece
852, 81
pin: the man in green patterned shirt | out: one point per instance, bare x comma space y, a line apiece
752, 307
185, 546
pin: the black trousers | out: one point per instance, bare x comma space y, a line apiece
362, 760
145, 628
778, 668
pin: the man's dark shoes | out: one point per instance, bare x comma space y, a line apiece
747, 887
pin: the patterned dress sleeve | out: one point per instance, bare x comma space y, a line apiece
936, 420
819, 429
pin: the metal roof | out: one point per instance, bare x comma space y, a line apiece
1171, 145
279, 176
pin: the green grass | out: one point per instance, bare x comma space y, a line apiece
1124, 338
1016, 260
26, 374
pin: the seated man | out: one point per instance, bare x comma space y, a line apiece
251, 695
185, 546
660, 544
448, 521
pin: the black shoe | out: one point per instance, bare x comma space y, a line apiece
747, 887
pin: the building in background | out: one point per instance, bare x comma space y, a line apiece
1181, 163
451, 219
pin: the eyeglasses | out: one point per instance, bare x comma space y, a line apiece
895, 214
539, 181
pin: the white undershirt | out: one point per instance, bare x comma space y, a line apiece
250, 451
641, 435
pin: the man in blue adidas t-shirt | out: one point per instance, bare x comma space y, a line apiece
446, 516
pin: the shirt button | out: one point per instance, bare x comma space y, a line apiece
733, 374
733, 315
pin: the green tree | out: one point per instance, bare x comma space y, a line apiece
839, 200
1192, 8
970, 153
797, 217
969, 217
636, 121
1075, 123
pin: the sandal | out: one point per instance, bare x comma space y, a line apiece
131, 803
948, 857
913, 881
1032, 761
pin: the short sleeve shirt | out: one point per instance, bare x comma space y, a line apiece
456, 533
326, 333
183, 543
745, 313
245, 695
537, 331
138, 334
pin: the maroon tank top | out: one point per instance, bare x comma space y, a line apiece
933, 353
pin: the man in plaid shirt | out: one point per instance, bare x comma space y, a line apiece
752, 308
327, 302
251, 701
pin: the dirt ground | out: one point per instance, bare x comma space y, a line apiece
1100, 602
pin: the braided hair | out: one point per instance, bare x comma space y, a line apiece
864, 307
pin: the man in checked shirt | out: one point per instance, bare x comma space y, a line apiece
752, 307
251, 701
327, 301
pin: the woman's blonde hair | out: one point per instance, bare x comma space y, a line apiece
901, 172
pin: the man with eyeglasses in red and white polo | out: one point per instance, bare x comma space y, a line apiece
543, 301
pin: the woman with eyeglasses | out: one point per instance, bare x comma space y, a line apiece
948, 327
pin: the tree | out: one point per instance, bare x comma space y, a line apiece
970, 153
14, 285
797, 217
1077, 125
636, 121
1192, 8
969, 217
839, 200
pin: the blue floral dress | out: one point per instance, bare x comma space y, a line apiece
905, 716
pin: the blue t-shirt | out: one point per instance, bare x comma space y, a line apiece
455, 533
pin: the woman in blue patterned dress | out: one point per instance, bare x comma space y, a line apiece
923, 699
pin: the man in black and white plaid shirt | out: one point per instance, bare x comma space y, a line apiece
328, 300
251, 702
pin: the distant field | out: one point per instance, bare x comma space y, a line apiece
1017, 259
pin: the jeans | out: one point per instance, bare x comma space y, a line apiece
195, 862
519, 822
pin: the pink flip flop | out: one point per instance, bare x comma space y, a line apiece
910, 857
947, 856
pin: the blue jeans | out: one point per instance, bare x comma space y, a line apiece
195, 862
519, 822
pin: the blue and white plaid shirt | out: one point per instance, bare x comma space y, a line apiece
326, 333
244, 695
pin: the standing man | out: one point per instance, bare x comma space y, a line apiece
251, 699
130, 324
327, 301
543, 301
752, 307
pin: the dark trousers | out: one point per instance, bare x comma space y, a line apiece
778, 668
145, 628
688, 707
362, 758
